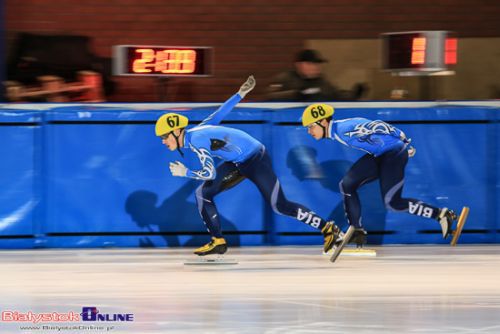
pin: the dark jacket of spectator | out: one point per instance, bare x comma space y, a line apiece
306, 83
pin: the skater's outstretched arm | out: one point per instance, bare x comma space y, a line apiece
224, 109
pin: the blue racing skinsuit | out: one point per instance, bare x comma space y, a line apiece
386, 158
243, 157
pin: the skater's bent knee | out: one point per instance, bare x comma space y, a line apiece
347, 187
204, 194
395, 204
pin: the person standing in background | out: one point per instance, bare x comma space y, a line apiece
306, 82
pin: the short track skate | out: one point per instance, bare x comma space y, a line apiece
210, 260
460, 225
337, 250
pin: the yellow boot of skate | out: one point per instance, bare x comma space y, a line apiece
332, 236
216, 246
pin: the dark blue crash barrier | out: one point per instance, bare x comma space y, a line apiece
96, 176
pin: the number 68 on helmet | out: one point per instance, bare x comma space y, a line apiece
316, 112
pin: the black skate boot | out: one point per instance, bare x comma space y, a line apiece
216, 246
446, 218
333, 236
359, 237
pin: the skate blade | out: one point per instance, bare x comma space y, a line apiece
460, 225
357, 252
347, 236
210, 261
363, 252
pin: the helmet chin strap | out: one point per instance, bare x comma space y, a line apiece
177, 142
323, 127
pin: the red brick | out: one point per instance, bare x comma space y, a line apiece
258, 37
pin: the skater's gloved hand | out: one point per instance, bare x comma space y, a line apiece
411, 151
177, 168
247, 86
403, 137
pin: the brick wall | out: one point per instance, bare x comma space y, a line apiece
252, 36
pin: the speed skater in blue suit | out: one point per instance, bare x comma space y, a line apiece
387, 151
242, 157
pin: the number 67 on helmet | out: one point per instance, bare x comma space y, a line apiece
170, 122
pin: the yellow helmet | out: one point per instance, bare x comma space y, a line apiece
170, 122
316, 112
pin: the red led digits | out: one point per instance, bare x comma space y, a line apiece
450, 51
175, 61
418, 50
141, 65
162, 60
168, 61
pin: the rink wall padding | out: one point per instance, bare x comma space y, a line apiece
96, 176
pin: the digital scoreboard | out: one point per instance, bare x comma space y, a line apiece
162, 61
423, 52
